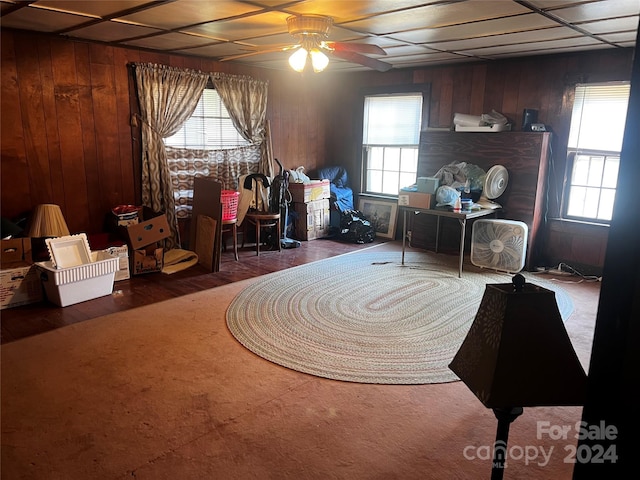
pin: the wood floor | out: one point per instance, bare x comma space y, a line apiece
28, 320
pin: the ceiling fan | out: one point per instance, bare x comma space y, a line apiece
311, 32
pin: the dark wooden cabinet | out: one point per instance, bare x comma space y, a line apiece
523, 154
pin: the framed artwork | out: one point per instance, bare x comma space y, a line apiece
382, 215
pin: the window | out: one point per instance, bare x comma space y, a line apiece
208, 145
595, 141
210, 127
391, 135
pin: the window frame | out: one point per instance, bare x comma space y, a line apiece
571, 154
423, 89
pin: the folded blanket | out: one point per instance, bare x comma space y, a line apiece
176, 260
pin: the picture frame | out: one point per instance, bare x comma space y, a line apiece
382, 215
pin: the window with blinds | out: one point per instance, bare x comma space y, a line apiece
391, 134
595, 141
209, 127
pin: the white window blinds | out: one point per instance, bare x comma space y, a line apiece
392, 120
598, 117
209, 127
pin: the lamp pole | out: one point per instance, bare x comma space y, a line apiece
505, 416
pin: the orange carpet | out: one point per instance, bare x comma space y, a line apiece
166, 392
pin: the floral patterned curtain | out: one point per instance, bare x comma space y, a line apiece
246, 101
225, 166
167, 96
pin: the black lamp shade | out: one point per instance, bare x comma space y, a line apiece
518, 352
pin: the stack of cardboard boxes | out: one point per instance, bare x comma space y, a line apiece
420, 195
311, 209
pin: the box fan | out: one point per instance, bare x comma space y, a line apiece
499, 244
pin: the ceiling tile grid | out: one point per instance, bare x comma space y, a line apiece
412, 33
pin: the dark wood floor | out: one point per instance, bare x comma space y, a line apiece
28, 320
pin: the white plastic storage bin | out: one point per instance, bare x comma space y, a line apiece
67, 286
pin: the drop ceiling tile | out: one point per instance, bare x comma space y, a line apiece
217, 50
111, 31
529, 47
571, 49
275, 3
350, 10
189, 12
407, 50
439, 15
598, 10
102, 8
619, 38
553, 4
280, 39
170, 41
519, 23
259, 25
41, 20
507, 39
611, 26
429, 57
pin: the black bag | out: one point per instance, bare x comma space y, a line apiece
355, 228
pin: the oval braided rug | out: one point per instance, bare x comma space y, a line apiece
365, 317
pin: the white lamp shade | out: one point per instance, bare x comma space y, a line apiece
319, 60
298, 59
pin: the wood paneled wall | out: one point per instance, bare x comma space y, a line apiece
509, 86
66, 104
66, 134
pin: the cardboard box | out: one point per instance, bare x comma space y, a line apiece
147, 260
147, 255
427, 185
20, 285
125, 215
68, 286
416, 199
15, 251
148, 232
309, 192
122, 253
312, 219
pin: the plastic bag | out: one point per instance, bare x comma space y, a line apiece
493, 118
355, 228
475, 177
446, 195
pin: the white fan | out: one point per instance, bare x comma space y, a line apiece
499, 244
495, 183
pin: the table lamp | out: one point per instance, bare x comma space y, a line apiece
47, 221
518, 354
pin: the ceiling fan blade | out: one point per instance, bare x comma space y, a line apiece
355, 47
279, 48
362, 60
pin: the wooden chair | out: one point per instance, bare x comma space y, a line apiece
260, 219
231, 226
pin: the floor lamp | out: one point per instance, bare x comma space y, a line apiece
518, 354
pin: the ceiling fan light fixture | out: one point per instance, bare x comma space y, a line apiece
318, 25
319, 60
298, 59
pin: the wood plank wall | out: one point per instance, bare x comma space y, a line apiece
509, 86
66, 106
66, 134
